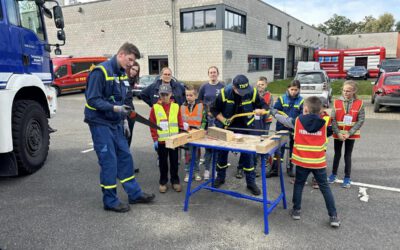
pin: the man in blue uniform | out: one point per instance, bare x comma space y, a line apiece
238, 97
106, 115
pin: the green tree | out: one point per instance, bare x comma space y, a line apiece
363, 24
385, 22
338, 25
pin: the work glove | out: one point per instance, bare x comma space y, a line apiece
186, 126
155, 145
273, 111
127, 131
124, 109
227, 122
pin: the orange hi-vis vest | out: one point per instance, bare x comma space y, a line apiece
340, 112
267, 100
193, 118
309, 148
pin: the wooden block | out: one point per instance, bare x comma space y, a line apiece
196, 134
265, 146
177, 140
221, 134
239, 138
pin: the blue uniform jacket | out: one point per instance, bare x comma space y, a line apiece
291, 106
103, 93
150, 94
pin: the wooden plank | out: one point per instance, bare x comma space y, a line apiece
176, 140
265, 146
221, 134
195, 134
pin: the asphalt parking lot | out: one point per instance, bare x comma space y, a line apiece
60, 206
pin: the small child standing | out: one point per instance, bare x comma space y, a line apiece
166, 115
348, 116
262, 122
194, 116
291, 103
309, 156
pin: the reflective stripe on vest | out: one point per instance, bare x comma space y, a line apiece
309, 148
193, 118
297, 106
172, 119
327, 119
340, 112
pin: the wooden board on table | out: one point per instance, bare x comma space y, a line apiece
183, 138
221, 134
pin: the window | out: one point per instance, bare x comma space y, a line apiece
30, 17
235, 22
274, 32
81, 67
198, 20
328, 59
61, 71
259, 63
11, 12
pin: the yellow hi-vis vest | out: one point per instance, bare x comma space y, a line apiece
172, 120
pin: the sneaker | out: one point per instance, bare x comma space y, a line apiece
163, 189
186, 179
332, 178
334, 221
177, 187
295, 214
206, 175
197, 177
239, 173
346, 183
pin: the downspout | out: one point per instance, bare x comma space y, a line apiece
173, 29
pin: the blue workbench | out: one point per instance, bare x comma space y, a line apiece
268, 205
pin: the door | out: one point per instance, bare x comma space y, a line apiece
279, 68
362, 61
156, 64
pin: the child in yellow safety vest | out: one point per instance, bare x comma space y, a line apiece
309, 156
194, 116
167, 116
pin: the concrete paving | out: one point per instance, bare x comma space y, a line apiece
60, 206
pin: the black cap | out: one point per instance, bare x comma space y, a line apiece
165, 88
242, 85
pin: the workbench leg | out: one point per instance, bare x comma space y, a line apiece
264, 191
192, 164
214, 163
282, 186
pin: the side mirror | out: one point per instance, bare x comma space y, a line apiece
58, 17
39, 2
47, 12
57, 51
61, 35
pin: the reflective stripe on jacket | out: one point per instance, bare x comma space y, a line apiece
172, 120
309, 148
340, 112
195, 117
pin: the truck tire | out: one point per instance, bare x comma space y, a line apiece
30, 132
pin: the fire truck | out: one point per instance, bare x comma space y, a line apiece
27, 99
336, 62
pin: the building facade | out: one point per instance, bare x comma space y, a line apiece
238, 36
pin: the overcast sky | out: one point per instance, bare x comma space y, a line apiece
319, 11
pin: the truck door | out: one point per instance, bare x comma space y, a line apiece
32, 39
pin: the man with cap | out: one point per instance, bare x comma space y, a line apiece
238, 97
166, 114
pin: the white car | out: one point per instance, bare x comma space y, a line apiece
315, 83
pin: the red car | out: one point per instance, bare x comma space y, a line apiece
386, 90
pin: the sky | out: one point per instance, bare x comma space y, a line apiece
319, 11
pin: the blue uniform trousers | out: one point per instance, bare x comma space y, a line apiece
115, 161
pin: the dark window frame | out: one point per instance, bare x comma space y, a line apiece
1, 12
256, 63
241, 18
204, 27
271, 30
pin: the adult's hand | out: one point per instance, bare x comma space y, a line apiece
127, 131
123, 109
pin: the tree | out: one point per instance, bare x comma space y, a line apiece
385, 23
337, 25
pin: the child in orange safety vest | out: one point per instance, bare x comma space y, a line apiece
348, 116
167, 116
309, 156
194, 116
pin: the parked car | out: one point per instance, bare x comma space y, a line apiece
389, 65
386, 90
315, 83
144, 81
70, 73
357, 72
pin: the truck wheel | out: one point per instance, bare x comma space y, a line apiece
58, 90
30, 132
376, 107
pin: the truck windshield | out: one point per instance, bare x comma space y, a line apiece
30, 17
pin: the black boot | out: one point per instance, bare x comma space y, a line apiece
120, 208
218, 182
253, 189
272, 173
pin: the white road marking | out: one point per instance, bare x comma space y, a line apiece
372, 186
87, 150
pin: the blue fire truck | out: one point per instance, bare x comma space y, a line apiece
27, 99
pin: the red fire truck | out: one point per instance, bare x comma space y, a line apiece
336, 62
